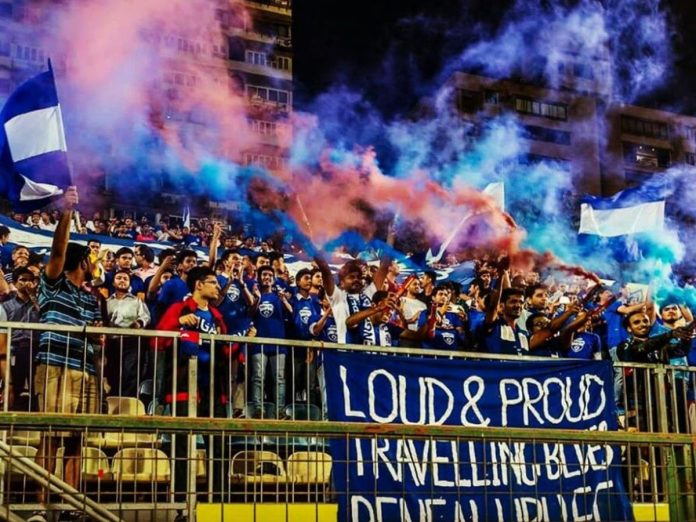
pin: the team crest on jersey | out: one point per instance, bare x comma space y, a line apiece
233, 293
448, 337
578, 345
332, 333
266, 309
305, 314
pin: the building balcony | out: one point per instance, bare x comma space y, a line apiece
275, 6
260, 70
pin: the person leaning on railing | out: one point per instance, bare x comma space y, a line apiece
193, 316
641, 347
65, 379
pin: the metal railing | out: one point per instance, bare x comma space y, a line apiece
144, 453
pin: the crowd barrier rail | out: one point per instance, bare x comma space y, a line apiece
243, 464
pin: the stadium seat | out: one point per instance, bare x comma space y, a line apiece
24, 451
303, 411
309, 467
115, 440
257, 467
141, 465
24, 438
94, 464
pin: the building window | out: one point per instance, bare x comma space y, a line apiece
281, 63
264, 160
265, 128
554, 111
690, 158
533, 132
491, 97
690, 133
638, 127
259, 94
255, 57
469, 101
645, 155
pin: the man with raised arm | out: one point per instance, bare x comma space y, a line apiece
499, 333
65, 379
349, 297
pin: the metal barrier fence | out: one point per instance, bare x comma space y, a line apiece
231, 434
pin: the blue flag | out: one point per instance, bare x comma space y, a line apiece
634, 210
33, 154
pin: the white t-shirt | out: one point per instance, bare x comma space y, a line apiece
339, 307
413, 307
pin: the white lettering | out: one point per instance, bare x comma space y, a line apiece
343, 372
507, 400
392, 397
356, 513
472, 400
432, 384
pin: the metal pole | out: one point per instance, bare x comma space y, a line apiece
46, 479
191, 454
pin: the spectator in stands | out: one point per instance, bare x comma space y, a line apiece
176, 288
124, 263
194, 316
536, 302
500, 332
46, 222
22, 307
317, 283
65, 378
145, 260
146, 234
350, 296
428, 281
449, 330
269, 315
126, 359
5, 249
412, 306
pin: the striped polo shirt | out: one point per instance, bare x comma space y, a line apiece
61, 302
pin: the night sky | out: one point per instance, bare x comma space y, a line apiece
393, 50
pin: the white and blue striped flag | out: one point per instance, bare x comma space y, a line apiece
631, 211
34, 165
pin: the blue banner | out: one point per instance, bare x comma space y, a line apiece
380, 479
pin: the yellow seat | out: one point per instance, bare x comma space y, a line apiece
24, 438
116, 440
309, 467
141, 465
94, 464
125, 406
201, 464
24, 451
257, 467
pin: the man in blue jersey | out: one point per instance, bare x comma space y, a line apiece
65, 378
449, 329
305, 306
500, 333
270, 312
176, 289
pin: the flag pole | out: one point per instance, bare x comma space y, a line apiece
76, 212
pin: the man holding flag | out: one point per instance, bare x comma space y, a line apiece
34, 170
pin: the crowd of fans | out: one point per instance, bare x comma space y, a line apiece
245, 288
